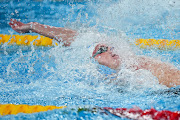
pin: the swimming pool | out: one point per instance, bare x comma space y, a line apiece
67, 76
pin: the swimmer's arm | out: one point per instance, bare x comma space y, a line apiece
166, 73
60, 34
170, 76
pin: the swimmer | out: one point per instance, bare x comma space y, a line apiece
166, 73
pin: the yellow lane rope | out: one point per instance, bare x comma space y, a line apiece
163, 44
12, 109
45, 41
26, 40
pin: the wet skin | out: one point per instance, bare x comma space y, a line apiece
107, 58
166, 73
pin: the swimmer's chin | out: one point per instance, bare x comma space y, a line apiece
115, 66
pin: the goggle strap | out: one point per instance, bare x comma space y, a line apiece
98, 52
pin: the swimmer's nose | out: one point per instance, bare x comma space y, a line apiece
111, 50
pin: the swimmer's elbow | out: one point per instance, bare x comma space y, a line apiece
66, 40
174, 79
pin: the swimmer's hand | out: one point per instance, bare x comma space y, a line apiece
19, 26
63, 35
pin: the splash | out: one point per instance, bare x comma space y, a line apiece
141, 17
68, 76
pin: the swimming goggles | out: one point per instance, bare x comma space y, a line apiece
102, 49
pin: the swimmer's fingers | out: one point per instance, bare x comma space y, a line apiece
19, 26
13, 27
14, 21
11, 23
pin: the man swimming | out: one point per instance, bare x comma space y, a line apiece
166, 73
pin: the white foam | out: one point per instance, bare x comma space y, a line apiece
132, 14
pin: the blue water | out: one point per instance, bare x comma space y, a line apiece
66, 76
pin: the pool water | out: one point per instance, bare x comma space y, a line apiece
67, 76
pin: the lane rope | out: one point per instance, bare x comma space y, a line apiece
163, 44
36, 40
12, 109
39, 40
132, 113
139, 114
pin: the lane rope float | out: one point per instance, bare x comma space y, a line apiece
132, 113
39, 40
163, 44
12, 109
36, 40
139, 114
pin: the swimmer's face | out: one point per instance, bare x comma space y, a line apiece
105, 56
